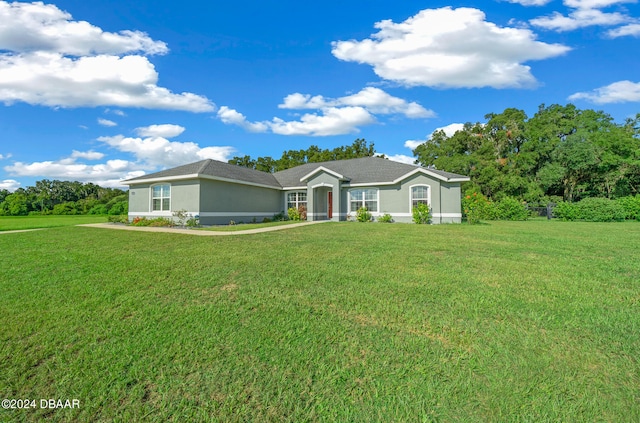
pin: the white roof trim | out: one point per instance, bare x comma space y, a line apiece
322, 184
432, 174
321, 169
199, 176
165, 179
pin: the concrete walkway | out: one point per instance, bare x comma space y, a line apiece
198, 232
21, 230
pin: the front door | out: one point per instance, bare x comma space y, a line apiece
330, 204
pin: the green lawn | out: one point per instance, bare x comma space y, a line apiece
12, 223
248, 226
510, 321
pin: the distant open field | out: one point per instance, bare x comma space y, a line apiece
12, 223
510, 321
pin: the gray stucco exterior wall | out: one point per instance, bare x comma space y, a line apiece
318, 188
185, 195
221, 202
395, 199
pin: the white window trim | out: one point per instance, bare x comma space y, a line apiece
363, 201
151, 210
411, 195
297, 202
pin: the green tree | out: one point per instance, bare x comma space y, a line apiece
14, 205
313, 154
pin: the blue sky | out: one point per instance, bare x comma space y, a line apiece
103, 91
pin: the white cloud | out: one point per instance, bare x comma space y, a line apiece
115, 112
372, 99
593, 4
5, 156
43, 27
165, 130
626, 30
150, 154
50, 79
413, 144
88, 155
106, 122
104, 174
618, 92
530, 2
579, 19
233, 117
449, 131
333, 116
332, 121
49, 59
9, 184
159, 152
449, 48
401, 158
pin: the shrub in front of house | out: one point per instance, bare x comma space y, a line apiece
363, 215
193, 222
293, 213
157, 222
161, 222
279, 217
421, 214
385, 218
118, 218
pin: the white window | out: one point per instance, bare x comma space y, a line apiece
419, 195
297, 199
161, 197
367, 197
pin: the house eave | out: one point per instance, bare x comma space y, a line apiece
432, 174
199, 176
322, 169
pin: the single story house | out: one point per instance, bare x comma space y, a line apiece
219, 192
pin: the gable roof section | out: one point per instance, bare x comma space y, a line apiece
211, 169
362, 171
365, 170
320, 169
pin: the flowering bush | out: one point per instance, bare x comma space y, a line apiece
299, 213
476, 207
158, 221
421, 214
294, 213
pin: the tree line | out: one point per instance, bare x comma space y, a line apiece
63, 197
313, 154
562, 153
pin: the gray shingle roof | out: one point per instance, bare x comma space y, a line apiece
356, 171
214, 168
